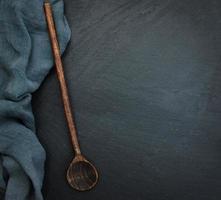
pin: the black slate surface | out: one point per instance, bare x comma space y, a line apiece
144, 78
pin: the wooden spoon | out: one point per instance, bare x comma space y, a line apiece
81, 174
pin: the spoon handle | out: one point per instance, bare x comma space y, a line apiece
61, 77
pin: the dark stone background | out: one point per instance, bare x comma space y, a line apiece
145, 81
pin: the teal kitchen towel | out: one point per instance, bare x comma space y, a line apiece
25, 60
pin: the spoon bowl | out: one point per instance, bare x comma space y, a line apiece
81, 174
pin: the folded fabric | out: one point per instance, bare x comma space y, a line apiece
25, 60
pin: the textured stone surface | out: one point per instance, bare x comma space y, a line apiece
144, 77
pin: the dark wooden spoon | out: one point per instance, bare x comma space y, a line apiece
81, 174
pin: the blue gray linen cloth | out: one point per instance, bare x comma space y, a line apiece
25, 60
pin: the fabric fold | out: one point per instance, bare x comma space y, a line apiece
25, 60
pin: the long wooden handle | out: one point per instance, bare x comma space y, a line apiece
60, 75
